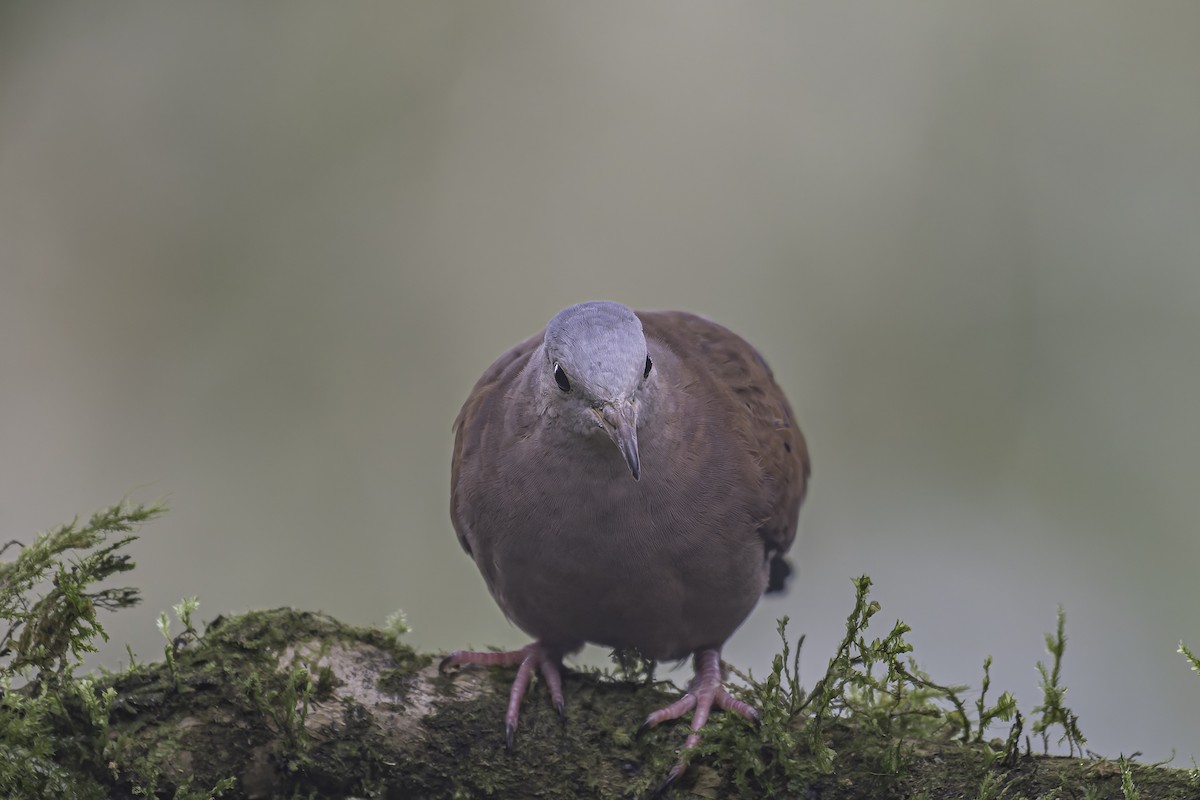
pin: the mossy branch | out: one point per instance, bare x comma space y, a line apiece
292, 704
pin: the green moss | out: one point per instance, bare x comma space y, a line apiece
394, 682
56, 736
963, 772
591, 753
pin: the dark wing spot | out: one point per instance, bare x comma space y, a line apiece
781, 570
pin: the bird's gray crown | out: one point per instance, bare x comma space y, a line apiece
600, 346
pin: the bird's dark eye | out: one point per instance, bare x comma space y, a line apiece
560, 378
646, 371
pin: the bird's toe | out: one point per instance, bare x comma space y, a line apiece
704, 692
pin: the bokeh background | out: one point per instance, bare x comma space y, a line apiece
254, 255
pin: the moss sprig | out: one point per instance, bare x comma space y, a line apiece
49, 594
1192, 658
1052, 710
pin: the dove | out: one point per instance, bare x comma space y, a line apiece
632, 480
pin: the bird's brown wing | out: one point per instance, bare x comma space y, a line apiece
768, 428
482, 404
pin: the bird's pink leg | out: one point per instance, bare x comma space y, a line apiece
547, 660
704, 691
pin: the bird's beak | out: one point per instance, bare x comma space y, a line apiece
619, 420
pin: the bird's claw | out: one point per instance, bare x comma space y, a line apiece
510, 735
669, 781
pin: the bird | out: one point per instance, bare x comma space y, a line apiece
632, 480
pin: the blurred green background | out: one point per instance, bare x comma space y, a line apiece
254, 255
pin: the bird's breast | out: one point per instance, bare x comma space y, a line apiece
572, 545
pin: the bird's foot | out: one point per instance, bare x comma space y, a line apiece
547, 660
704, 692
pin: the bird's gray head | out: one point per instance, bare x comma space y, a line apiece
596, 369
